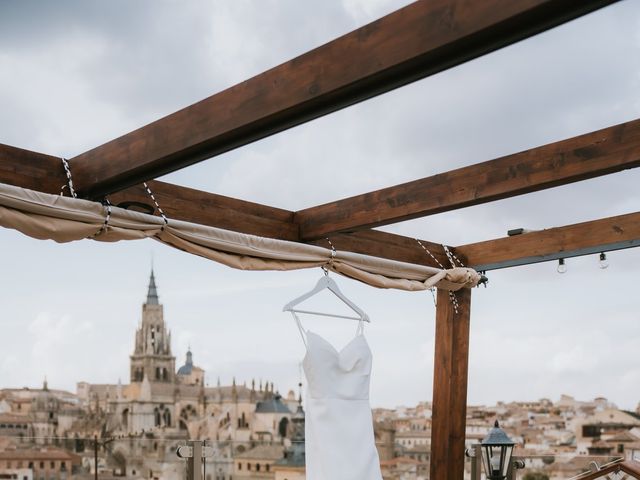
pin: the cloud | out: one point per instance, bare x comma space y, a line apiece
76, 74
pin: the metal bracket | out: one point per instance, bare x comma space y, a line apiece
194, 450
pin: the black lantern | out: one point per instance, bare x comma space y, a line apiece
497, 448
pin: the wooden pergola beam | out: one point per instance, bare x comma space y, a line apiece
32, 170
45, 173
594, 154
387, 245
196, 206
450, 373
603, 235
416, 41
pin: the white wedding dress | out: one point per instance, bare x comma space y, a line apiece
339, 444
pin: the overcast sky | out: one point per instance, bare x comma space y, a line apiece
74, 75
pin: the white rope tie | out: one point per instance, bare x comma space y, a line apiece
164, 217
430, 254
67, 170
333, 254
105, 224
451, 256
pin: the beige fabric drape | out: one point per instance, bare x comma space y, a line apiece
63, 219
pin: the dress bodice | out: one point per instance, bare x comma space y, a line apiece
341, 374
339, 439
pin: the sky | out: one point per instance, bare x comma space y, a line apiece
76, 74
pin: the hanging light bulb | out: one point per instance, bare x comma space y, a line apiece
562, 268
603, 261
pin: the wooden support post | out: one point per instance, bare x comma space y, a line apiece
449, 407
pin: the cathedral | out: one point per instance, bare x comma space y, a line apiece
178, 404
139, 425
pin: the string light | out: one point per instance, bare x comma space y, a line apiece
562, 268
603, 261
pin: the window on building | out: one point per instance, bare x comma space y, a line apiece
239, 466
267, 467
257, 467
248, 466
52, 464
41, 464
31, 465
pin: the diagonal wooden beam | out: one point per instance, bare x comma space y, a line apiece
387, 245
196, 206
630, 467
416, 41
32, 170
45, 173
607, 234
602, 152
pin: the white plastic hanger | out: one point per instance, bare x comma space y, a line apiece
328, 283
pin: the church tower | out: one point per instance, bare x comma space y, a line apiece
152, 353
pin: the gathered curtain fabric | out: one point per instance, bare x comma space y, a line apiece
64, 219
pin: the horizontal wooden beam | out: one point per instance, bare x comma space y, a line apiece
416, 41
205, 208
196, 206
32, 170
594, 154
387, 245
607, 234
45, 173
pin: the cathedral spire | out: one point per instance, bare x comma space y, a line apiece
152, 294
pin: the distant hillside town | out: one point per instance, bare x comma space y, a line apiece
133, 430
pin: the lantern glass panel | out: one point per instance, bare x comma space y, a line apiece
497, 448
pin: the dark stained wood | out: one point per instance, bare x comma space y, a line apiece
188, 204
45, 173
32, 170
416, 41
386, 245
613, 233
629, 467
594, 154
450, 371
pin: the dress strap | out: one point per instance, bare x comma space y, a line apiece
301, 328
360, 329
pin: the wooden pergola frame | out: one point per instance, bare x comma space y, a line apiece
409, 44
